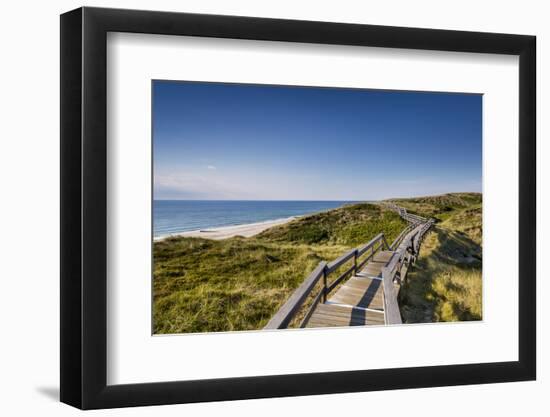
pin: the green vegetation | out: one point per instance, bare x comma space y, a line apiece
204, 285
446, 284
349, 226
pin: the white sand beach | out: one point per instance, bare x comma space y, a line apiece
244, 230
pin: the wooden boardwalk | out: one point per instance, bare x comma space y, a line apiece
366, 290
358, 302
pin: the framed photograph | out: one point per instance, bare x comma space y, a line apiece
257, 208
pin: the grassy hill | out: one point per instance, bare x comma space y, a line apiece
440, 207
350, 226
204, 285
446, 283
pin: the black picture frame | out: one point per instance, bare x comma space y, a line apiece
84, 207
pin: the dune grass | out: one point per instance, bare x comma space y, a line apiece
350, 226
440, 207
205, 285
234, 284
446, 282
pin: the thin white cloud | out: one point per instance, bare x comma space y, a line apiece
194, 185
211, 167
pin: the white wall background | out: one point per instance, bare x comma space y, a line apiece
29, 213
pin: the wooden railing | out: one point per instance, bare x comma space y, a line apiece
405, 248
420, 236
401, 236
395, 272
411, 218
357, 257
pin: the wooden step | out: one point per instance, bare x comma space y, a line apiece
359, 301
375, 265
331, 315
361, 292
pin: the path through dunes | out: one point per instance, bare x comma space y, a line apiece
358, 302
364, 293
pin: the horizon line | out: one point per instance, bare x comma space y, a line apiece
239, 199
345, 200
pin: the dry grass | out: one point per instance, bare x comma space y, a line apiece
446, 283
204, 285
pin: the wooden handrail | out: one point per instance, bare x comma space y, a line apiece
405, 247
391, 307
400, 237
411, 218
334, 265
362, 249
420, 236
287, 312
404, 254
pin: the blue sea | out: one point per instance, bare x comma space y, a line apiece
175, 216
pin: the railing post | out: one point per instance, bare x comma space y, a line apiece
385, 242
325, 286
354, 263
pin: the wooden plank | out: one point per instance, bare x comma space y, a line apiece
343, 309
316, 324
285, 314
343, 321
356, 298
333, 313
366, 285
334, 309
335, 318
362, 275
372, 303
374, 267
328, 318
340, 278
373, 270
332, 323
348, 307
326, 323
357, 288
383, 256
328, 315
377, 262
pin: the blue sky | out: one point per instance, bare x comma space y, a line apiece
257, 142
